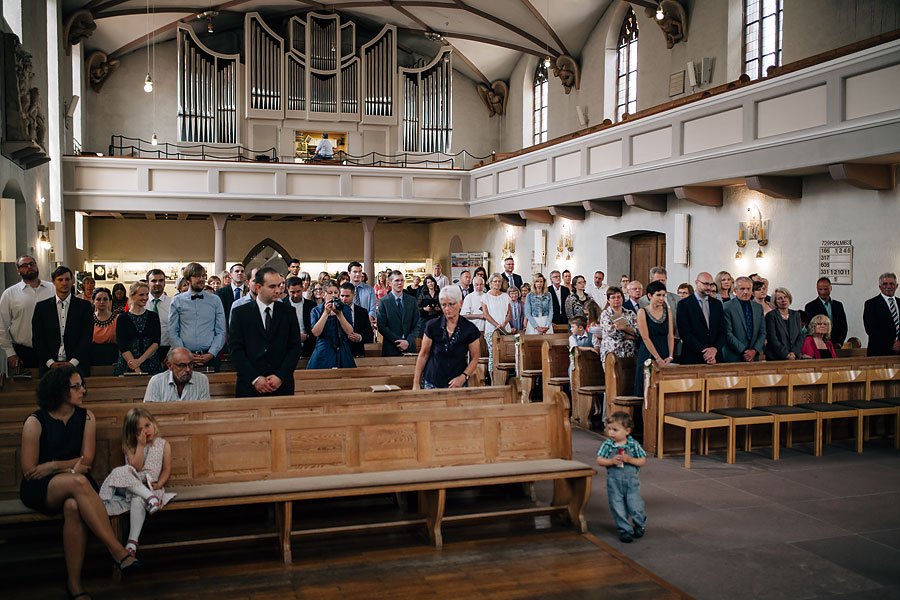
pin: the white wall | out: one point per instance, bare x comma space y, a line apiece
473, 128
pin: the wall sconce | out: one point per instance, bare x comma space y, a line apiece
509, 246
44, 240
565, 244
761, 243
753, 228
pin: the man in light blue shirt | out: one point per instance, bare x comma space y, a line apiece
197, 320
365, 294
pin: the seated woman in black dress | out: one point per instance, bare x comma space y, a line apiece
442, 361
58, 442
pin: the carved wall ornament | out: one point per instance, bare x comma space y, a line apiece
566, 68
99, 68
674, 24
494, 97
25, 126
79, 27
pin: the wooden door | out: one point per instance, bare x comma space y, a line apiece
647, 250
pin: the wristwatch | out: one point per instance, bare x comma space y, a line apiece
466, 376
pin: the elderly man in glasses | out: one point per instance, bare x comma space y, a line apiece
179, 382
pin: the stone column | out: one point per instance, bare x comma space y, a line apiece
368, 224
219, 222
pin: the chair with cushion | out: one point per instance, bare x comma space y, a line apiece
826, 411
885, 390
783, 412
859, 379
696, 418
736, 406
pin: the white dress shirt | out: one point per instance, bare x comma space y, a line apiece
162, 388
262, 310
16, 309
597, 293
161, 307
298, 308
441, 280
471, 306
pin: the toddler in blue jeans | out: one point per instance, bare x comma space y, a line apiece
623, 458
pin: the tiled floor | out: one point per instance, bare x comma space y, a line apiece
802, 527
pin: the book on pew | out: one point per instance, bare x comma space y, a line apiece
385, 388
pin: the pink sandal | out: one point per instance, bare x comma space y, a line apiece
153, 505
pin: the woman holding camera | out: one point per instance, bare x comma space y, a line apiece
332, 326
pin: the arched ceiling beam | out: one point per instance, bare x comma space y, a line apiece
534, 40
478, 38
537, 15
157, 11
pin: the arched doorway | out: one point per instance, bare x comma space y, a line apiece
633, 253
267, 253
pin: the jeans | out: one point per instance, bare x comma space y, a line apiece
624, 490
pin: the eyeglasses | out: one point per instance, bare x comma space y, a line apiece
78, 386
26, 265
183, 365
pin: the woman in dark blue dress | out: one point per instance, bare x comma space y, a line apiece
450, 346
657, 334
58, 443
331, 326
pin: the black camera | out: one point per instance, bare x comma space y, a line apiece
336, 304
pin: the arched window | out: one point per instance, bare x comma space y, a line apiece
541, 90
626, 67
762, 36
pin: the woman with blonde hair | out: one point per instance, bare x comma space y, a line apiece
137, 334
724, 286
817, 344
538, 310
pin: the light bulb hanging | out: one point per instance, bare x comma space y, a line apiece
44, 241
660, 15
154, 140
148, 83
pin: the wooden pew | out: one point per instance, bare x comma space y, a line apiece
867, 364
504, 358
278, 461
588, 386
554, 368
619, 377
529, 367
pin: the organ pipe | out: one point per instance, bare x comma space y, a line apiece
206, 109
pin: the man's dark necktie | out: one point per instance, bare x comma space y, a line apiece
400, 305
268, 318
196, 296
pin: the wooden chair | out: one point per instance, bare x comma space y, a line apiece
504, 358
783, 413
884, 378
554, 368
619, 377
826, 411
736, 406
587, 386
865, 406
689, 420
483, 359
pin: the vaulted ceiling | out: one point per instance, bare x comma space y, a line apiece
488, 36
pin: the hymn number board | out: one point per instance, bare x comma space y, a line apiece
836, 261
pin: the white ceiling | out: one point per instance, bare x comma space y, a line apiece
122, 25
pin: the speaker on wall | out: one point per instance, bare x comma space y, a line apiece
681, 245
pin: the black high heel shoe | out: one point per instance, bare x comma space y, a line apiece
134, 564
81, 596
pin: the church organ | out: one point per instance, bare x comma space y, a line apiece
316, 73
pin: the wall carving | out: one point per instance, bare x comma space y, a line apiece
99, 69
674, 25
25, 126
494, 97
79, 27
566, 68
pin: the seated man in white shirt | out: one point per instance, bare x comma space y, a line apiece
324, 149
179, 382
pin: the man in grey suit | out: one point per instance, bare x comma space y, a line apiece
745, 327
398, 319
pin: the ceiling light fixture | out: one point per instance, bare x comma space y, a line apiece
44, 241
660, 15
148, 81
434, 36
209, 15
154, 140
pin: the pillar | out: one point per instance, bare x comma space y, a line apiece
368, 224
219, 222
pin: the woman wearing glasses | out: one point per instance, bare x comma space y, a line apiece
446, 342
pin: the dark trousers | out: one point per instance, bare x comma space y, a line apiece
26, 355
161, 353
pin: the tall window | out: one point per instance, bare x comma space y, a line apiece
626, 67
762, 36
541, 87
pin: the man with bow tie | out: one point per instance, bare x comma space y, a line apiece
197, 319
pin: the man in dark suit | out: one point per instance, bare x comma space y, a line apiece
881, 317
701, 321
265, 340
634, 291
398, 319
302, 308
745, 327
831, 308
558, 295
236, 290
62, 327
510, 279
362, 327
465, 283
